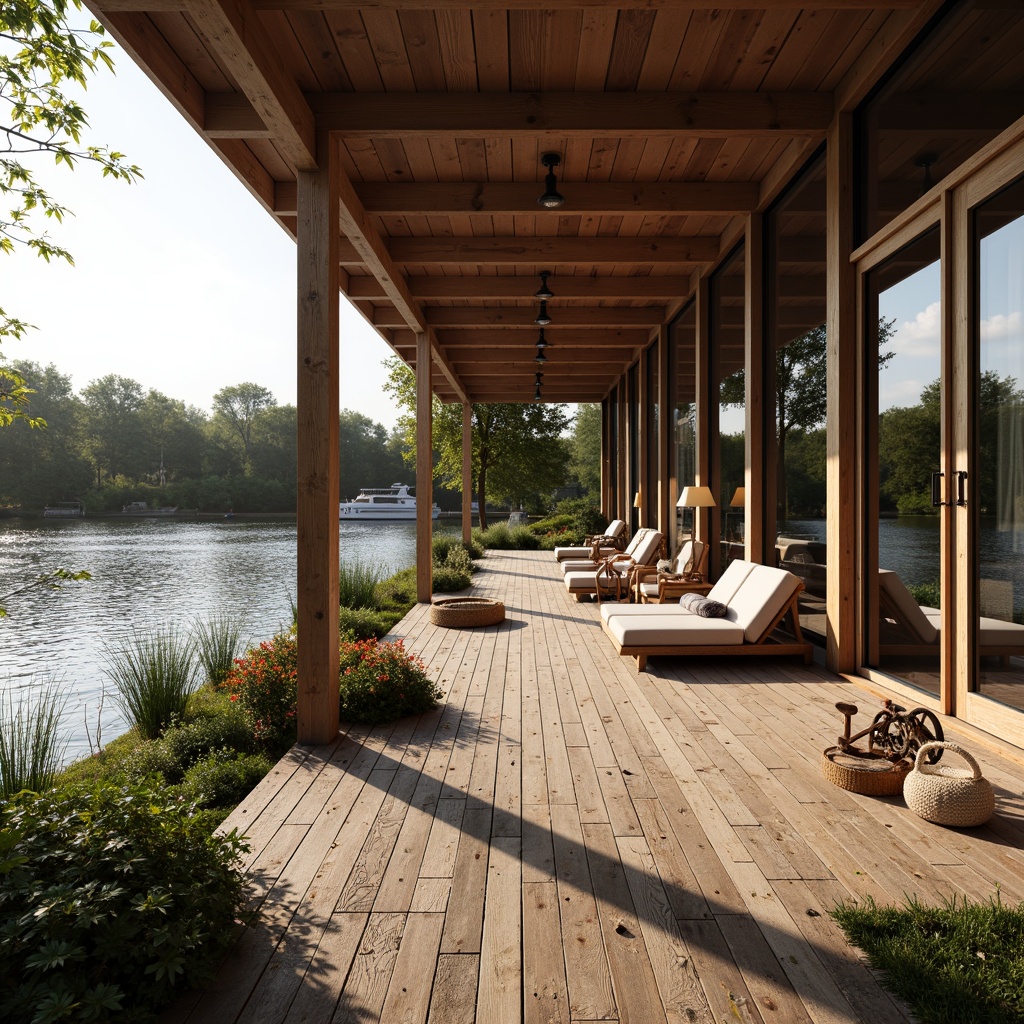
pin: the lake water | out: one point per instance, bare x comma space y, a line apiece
148, 574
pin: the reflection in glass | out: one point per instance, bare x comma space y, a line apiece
682, 355
727, 290
999, 395
904, 307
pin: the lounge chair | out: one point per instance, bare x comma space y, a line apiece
613, 539
910, 629
588, 564
757, 598
652, 585
613, 577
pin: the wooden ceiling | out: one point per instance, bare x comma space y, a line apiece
673, 122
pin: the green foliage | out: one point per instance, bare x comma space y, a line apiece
184, 745
587, 518
357, 584
502, 537
363, 623
237, 409
52, 580
31, 745
954, 964
114, 900
265, 685
41, 54
518, 449
397, 591
585, 448
446, 580
155, 674
218, 642
928, 595
224, 777
444, 543
381, 681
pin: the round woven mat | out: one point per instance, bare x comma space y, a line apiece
455, 612
871, 776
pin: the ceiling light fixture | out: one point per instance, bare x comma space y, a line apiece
552, 198
542, 342
542, 317
541, 358
544, 292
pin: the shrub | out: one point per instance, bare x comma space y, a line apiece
457, 559
357, 583
148, 759
381, 682
447, 581
218, 642
155, 675
498, 537
223, 777
445, 543
927, 595
264, 685
114, 901
398, 591
31, 745
363, 623
191, 742
587, 517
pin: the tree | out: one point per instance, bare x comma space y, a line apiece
367, 457
585, 448
40, 55
238, 407
518, 449
113, 427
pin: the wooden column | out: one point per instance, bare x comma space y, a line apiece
666, 500
754, 541
318, 245
424, 471
467, 472
706, 401
841, 423
643, 452
606, 475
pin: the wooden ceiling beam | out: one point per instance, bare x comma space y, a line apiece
522, 317
499, 337
498, 288
485, 199
235, 34
547, 251
173, 6
574, 114
463, 356
230, 115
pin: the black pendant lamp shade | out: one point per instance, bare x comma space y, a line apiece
552, 198
544, 292
542, 317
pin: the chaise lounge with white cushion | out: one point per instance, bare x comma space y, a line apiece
657, 584
612, 578
613, 539
908, 628
756, 599
588, 564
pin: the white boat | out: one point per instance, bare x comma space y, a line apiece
384, 503
65, 510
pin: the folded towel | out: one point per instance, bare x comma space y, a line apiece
700, 605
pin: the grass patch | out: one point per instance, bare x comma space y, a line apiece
31, 744
155, 674
960, 963
218, 642
357, 584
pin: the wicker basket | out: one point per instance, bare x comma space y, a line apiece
869, 774
948, 795
456, 612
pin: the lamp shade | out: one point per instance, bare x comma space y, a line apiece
696, 497
739, 497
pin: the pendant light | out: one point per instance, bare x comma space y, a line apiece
544, 292
552, 199
542, 317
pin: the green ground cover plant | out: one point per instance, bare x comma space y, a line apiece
960, 963
113, 900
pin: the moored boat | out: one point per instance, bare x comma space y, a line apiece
65, 510
396, 502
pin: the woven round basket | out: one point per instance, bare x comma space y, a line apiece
455, 612
946, 794
869, 774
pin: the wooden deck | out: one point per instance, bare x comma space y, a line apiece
564, 840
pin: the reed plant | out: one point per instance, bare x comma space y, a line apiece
32, 744
155, 674
357, 583
218, 641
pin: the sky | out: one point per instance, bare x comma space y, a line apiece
181, 281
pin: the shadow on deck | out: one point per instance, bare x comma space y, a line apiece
563, 840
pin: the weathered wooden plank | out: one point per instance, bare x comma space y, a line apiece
408, 998
453, 1000
545, 992
500, 991
464, 921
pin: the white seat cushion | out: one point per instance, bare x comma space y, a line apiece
732, 579
673, 629
579, 558
760, 598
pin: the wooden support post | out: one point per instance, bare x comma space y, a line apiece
606, 475
755, 543
424, 471
841, 423
643, 452
467, 472
666, 500
706, 400
317, 404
